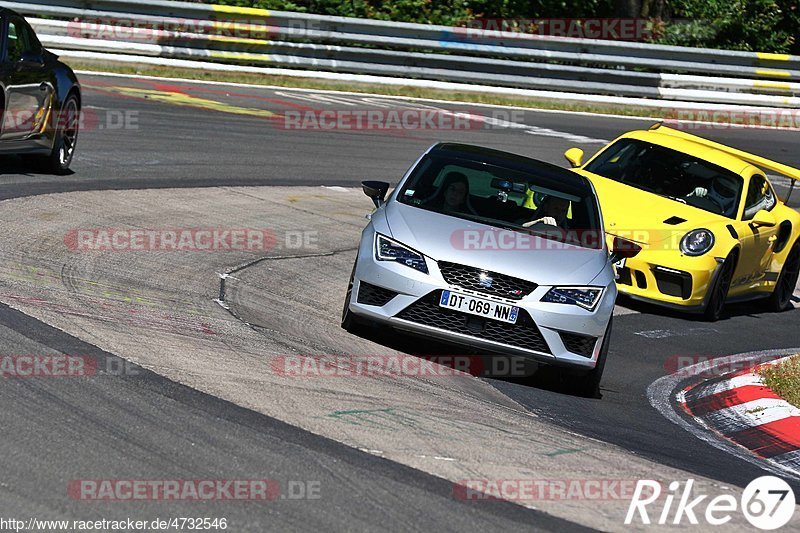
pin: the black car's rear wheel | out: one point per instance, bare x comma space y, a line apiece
66, 137
718, 293
787, 281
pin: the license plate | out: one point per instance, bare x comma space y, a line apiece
479, 307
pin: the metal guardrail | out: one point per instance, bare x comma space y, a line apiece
350, 45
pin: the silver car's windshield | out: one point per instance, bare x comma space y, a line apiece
672, 174
508, 198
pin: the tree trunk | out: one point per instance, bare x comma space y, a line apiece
628, 8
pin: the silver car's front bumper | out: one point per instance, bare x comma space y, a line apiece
542, 333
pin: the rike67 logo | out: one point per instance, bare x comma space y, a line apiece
767, 503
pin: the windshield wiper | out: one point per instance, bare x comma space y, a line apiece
490, 221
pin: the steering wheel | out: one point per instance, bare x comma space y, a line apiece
717, 203
709, 201
551, 231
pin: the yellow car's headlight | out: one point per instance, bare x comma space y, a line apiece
697, 242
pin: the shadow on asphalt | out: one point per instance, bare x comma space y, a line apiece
25, 165
508, 368
519, 371
753, 309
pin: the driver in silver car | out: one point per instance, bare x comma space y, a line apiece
553, 211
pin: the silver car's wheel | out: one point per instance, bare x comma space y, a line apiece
348, 320
588, 385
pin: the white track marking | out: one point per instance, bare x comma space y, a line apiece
532, 130
580, 139
667, 106
319, 99
492, 121
792, 457
621, 311
674, 101
381, 102
728, 384
666, 333
660, 392
759, 412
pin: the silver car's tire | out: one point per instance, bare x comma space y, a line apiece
348, 320
588, 384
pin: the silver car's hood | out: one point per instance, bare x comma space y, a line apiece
441, 237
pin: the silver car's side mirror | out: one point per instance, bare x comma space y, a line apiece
376, 190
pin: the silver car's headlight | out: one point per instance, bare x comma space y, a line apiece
586, 297
388, 250
697, 242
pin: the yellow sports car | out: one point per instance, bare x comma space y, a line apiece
711, 227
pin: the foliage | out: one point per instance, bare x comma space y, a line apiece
784, 379
758, 25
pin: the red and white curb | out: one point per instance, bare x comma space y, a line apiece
734, 410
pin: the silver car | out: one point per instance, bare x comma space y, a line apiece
491, 250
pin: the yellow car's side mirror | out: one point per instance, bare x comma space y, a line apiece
764, 218
574, 156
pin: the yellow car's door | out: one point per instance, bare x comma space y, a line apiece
758, 231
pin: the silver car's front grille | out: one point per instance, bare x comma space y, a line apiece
483, 281
579, 344
524, 334
373, 295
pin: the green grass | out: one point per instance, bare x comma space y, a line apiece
784, 379
311, 83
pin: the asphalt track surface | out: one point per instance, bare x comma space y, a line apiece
141, 135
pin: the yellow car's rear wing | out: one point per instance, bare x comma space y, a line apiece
762, 162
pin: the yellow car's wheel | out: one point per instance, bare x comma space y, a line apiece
719, 291
787, 281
